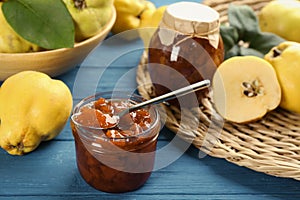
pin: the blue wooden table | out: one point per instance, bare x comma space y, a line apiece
50, 171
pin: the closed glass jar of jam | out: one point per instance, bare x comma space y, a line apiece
114, 155
186, 48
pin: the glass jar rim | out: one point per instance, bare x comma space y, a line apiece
118, 93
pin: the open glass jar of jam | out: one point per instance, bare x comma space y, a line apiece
186, 47
116, 158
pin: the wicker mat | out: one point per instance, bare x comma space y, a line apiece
270, 145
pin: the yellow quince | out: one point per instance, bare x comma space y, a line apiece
129, 14
33, 108
149, 23
245, 89
285, 59
89, 16
282, 18
10, 41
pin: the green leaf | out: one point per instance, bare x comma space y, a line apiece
265, 41
248, 51
229, 35
243, 18
243, 27
46, 23
234, 51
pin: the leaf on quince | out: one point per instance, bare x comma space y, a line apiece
264, 41
250, 52
243, 18
238, 50
244, 28
46, 23
230, 36
233, 51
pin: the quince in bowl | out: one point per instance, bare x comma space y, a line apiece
53, 62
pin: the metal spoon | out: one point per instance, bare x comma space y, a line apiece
165, 97
168, 96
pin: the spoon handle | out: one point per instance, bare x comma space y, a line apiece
171, 95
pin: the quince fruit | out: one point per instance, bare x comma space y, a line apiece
10, 41
150, 20
281, 17
89, 16
33, 108
129, 14
245, 88
285, 58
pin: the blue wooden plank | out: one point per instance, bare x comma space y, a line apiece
153, 196
114, 51
149, 197
51, 170
103, 79
84, 81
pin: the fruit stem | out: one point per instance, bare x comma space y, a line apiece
80, 4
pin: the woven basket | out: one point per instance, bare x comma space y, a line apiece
270, 145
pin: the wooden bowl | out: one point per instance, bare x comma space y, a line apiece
52, 62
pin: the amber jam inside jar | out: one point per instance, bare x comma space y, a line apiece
186, 48
119, 158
